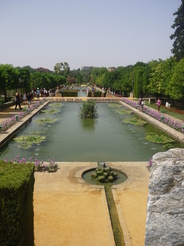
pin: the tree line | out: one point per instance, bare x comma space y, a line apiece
158, 78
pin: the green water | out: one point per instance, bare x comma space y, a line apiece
93, 140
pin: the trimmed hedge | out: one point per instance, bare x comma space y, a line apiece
16, 204
97, 94
69, 93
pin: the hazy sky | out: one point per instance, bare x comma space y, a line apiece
101, 33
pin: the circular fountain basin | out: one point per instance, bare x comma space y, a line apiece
120, 178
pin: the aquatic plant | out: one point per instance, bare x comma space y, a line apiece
160, 139
104, 174
123, 111
26, 141
135, 121
43, 121
114, 105
168, 146
50, 111
89, 110
57, 105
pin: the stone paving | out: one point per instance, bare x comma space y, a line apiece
69, 211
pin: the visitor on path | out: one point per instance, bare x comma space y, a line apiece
17, 100
158, 104
141, 103
24, 98
103, 92
93, 91
28, 99
38, 92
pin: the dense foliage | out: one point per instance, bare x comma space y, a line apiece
16, 204
89, 109
178, 36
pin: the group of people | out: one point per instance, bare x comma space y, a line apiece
141, 103
26, 98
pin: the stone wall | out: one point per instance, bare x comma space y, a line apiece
165, 204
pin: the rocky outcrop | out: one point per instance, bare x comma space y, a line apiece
165, 205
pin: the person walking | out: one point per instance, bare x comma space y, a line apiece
17, 100
28, 99
141, 103
158, 104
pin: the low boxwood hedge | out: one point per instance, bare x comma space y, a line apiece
16, 204
97, 94
69, 93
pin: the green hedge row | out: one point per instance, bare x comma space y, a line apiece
97, 94
16, 204
69, 93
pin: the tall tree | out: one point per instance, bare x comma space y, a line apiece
178, 36
9, 78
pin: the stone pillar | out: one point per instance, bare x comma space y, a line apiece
165, 204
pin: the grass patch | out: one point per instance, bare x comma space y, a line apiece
135, 121
173, 113
160, 139
116, 227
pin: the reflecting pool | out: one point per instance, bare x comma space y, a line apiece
71, 138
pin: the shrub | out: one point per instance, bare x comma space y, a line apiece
69, 93
16, 204
89, 109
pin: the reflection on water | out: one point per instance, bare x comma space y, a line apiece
71, 138
88, 124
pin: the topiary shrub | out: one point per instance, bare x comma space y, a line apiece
104, 174
16, 204
89, 110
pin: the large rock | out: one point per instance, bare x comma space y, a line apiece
165, 205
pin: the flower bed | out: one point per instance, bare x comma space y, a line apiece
14, 119
50, 166
153, 113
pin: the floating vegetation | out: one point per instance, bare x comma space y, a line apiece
43, 121
50, 111
135, 121
57, 105
160, 139
26, 141
123, 111
114, 105
168, 146
104, 174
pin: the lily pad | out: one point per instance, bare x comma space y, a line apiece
50, 111
114, 105
123, 111
43, 121
160, 139
135, 121
26, 141
57, 105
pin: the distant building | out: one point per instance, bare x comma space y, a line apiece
41, 69
86, 68
111, 69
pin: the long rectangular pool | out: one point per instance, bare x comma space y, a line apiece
72, 139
